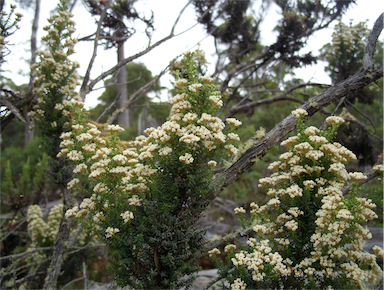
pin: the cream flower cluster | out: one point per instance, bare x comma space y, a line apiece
55, 77
37, 227
346, 43
43, 233
308, 182
256, 261
191, 137
108, 170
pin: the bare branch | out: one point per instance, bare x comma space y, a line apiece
88, 88
87, 38
19, 223
108, 108
8, 104
371, 45
26, 253
233, 72
361, 113
95, 45
136, 94
217, 279
281, 97
178, 17
72, 6
33, 43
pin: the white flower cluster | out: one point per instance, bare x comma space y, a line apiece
43, 232
312, 174
257, 260
111, 232
214, 251
127, 216
123, 174
347, 43
55, 76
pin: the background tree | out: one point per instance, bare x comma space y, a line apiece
114, 33
137, 76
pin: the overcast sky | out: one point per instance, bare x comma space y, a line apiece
165, 12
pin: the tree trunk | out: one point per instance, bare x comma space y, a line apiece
29, 134
123, 118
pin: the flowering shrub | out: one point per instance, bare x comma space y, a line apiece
54, 87
309, 235
146, 194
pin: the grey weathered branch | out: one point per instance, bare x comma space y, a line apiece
240, 67
62, 244
108, 108
25, 253
15, 111
282, 97
215, 280
95, 46
33, 44
86, 88
136, 94
371, 45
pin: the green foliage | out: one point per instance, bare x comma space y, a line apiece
40, 180
23, 185
19, 190
7, 187
146, 195
27, 186
18, 156
13, 135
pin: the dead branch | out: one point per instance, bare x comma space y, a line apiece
281, 97
9, 105
87, 88
27, 253
371, 45
136, 94
95, 46
108, 108
34, 44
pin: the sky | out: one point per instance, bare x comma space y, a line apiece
166, 12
